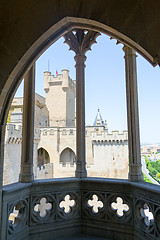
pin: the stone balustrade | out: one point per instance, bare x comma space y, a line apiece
116, 209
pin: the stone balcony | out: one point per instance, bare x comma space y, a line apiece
90, 208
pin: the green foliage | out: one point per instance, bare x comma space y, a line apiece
156, 165
158, 175
147, 161
152, 170
146, 179
154, 177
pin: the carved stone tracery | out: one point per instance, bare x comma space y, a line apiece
81, 40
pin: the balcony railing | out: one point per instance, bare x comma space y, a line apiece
49, 209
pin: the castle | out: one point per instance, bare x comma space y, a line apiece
55, 137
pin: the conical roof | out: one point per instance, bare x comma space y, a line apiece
98, 120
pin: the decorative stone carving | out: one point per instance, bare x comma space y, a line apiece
67, 204
147, 215
138, 211
43, 207
80, 40
95, 204
157, 221
13, 217
119, 207
18, 216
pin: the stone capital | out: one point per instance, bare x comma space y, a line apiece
80, 60
80, 40
129, 51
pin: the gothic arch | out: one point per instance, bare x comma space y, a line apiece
31, 53
42, 157
45, 41
67, 156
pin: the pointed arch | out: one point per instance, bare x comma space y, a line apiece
67, 156
42, 157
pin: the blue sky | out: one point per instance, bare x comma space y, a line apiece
105, 85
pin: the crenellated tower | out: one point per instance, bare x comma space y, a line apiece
60, 99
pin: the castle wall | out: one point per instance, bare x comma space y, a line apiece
41, 112
12, 152
106, 153
45, 171
41, 116
110, 158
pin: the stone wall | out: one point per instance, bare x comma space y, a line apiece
106, 153
12, 153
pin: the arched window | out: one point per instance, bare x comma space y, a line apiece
42, 157
67, 156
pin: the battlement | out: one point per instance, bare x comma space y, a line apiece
96, 134
53, 130
14, 134
13, 131
60, 80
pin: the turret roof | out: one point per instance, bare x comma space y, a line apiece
98, 120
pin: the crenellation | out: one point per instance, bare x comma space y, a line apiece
13, 131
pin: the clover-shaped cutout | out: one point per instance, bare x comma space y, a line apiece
13, 217
95, 204
147, 215
120, 207
67, 204
43, 207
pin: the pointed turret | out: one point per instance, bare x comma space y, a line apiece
99, 120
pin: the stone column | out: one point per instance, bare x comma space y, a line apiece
135, 167
80, 116
26, 174
80, 42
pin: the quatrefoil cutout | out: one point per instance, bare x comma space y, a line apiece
147, 215
13, 216
120, 207
67, 204
95, 204
43, 207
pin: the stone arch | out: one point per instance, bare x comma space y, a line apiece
67, 156
42, 157
41, 42
45, 41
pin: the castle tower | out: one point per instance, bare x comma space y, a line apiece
60, 99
